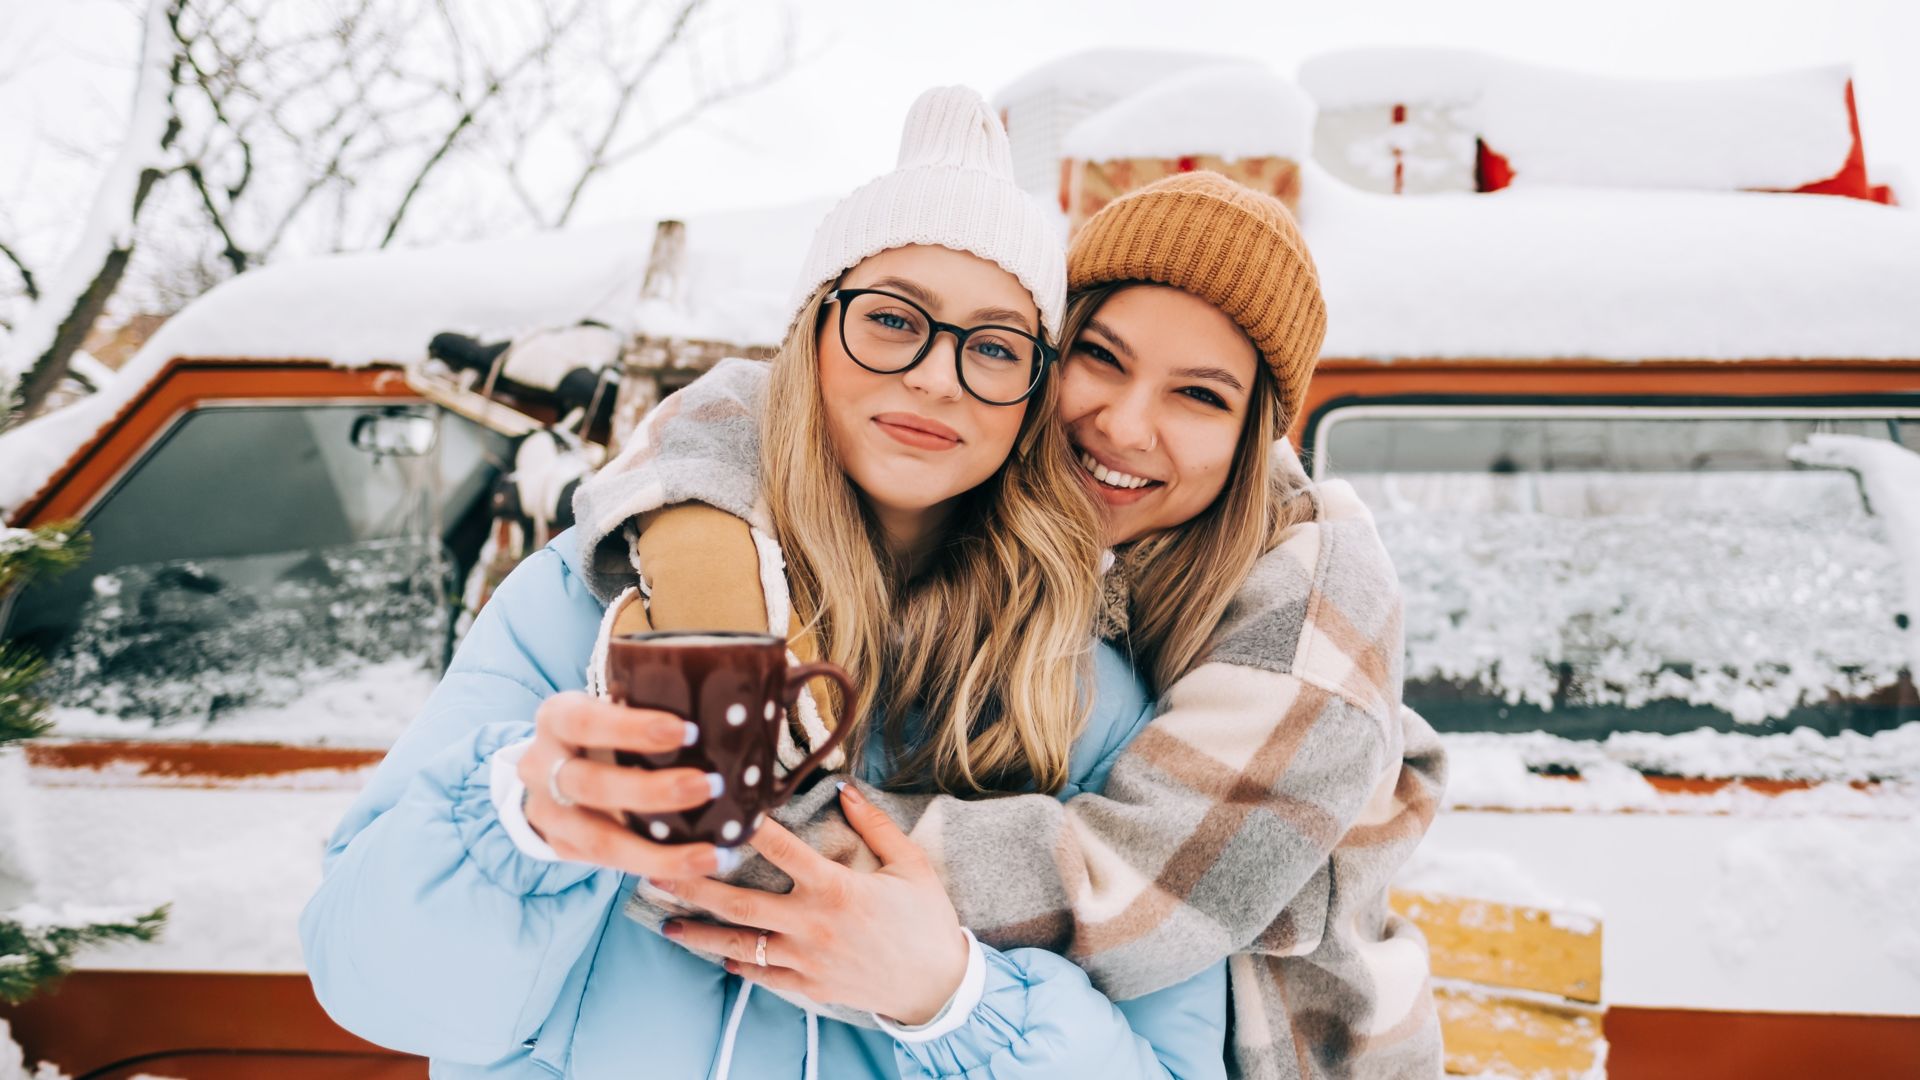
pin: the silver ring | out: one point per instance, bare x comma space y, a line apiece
553, 783
760, 949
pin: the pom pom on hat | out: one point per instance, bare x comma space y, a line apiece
953, 187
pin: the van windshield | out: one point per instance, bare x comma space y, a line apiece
1585, 571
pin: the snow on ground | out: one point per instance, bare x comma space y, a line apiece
1792, 914
1271, 117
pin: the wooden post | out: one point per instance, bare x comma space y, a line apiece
646, 357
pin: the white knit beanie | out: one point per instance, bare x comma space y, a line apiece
953, 187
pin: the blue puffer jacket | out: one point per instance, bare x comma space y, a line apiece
432, 933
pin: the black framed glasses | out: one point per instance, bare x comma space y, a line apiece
886, 333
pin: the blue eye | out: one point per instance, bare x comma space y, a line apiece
891, 321
993, 350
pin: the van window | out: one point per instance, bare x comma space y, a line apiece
253, 554
1584, 571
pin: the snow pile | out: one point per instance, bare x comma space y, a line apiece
234, 866
13, 1060
1766, 874
1752, 613
355, 310
1357, 78
1777, 131
1539, 273
1529, 772
1481, 874
737, 277
1231, 113
1043, 105
1891, 756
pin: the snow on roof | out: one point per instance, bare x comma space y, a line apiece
1612, 274
1230, 112
356, 310
1108, 74
1536, 273
737, 276
1354, 78
1778, 131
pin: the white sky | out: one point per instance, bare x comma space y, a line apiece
835, 121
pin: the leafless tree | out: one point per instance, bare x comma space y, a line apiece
329, 127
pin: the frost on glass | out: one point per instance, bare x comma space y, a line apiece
1587, 602
181, 642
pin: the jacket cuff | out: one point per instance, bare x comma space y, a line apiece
483, 833
997, 1022
954, 1013
510, 801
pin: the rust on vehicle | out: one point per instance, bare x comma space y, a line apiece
192, 763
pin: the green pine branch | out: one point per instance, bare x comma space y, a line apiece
35, 952
27, 555
22, 716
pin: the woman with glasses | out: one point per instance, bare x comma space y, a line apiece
916, 518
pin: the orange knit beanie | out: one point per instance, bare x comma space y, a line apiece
1233, 247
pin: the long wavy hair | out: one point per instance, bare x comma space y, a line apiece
987, 644
1180, 580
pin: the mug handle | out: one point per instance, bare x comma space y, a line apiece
797, 677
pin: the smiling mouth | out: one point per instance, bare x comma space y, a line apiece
1113, 478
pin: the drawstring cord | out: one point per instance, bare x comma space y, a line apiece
724, 1067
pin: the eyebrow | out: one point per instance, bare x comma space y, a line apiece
927, 298
1211, 374
1107, 332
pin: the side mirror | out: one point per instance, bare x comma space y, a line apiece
395, 434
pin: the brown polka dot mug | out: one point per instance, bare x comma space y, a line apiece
736, 688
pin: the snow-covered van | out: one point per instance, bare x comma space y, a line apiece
1641, 427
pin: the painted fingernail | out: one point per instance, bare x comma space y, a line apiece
672, 930
691, 735
849, 792
716, 785
728, 860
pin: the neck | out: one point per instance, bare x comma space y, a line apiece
909, 535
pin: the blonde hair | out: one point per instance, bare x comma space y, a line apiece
987, 644
1180, 580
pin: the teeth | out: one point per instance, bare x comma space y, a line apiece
1111, 477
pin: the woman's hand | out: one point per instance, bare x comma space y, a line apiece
593, 830
888, 942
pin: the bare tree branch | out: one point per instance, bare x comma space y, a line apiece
26, 275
